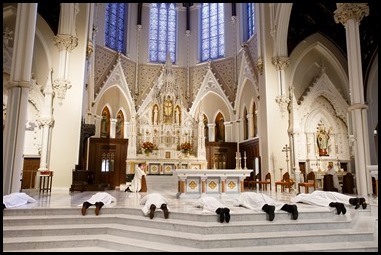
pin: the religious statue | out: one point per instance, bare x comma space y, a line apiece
322, 139
168, 108
104, 125
155, 115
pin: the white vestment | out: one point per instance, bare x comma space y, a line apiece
321, 198
153, 198
209, 203
103, 197
136, 183
255, 201
17, 199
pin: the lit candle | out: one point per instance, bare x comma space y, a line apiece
256, 166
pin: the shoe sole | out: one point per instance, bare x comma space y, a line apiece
83, 211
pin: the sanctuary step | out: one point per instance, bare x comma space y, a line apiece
126, 229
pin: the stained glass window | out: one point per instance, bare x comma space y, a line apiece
116, 25
250, 20
212, 31
162, 33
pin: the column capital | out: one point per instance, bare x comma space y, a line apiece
347, 11
65, 42
280, 63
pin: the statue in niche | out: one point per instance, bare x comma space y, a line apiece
322, 139
220, 130
177, 115
104, 124
119, 126
155, 114
168, 110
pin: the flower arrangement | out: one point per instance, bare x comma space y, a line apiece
148, 147
186, 147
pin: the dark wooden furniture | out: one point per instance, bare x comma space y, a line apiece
284, 183
267, 181
310, 183
46, 180
328, 183
82, 180
348, 183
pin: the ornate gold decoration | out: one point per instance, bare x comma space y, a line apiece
212, 185
346, 11
192, 185
232, 185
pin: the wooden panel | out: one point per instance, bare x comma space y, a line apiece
117, 149
31, 166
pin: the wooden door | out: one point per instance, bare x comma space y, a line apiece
108, 161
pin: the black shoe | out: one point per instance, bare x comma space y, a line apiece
337, 206
355, 201
84, 207
165, 210
363, 203
294, 212
98, 206
152, 211
342, 208
271, 212
4, 206
127, 189
226, 211
220, 211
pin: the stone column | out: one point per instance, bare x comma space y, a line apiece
17, 107
350, 15
281, 63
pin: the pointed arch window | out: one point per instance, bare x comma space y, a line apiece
249, 21
162, 32
116, 26
212, 31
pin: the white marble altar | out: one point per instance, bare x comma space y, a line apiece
193, 183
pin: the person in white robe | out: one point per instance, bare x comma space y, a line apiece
136, 183
330, 199
335, 178
213, 205
153, 201
99, 199
17, 199
263, 202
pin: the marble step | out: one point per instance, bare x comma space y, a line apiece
104, 242
201, 227
220, 238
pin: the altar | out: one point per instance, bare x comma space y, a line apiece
194, 183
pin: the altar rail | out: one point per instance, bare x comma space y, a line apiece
193, 183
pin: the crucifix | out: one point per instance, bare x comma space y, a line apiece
286, 149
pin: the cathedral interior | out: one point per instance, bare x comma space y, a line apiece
308, 68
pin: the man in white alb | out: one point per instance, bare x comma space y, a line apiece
153, 201
99, 199
212, 204
136, 183
17, 199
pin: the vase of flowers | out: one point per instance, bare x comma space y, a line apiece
186, 147
148, 147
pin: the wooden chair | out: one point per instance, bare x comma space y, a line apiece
328, 183
284, 183
309, 183
253, 181
263, 184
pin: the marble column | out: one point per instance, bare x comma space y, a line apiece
17, 106
350, 15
